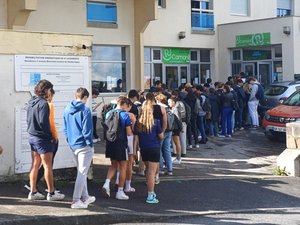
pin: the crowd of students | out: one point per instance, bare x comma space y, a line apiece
149, 124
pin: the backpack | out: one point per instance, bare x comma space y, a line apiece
260, 92
188, 112
182, 111
112, 127
177, 124
170, 120
205, 103
106, 108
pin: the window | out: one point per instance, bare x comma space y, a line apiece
204, 55
194, 55
239, 7
256, 54
109, 68
236, 68
204, 72
278, 51
284, 8
162, 3
202, 15
156, 54
101, 12
236, 55
195, 74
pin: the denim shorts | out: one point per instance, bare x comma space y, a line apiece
40, 145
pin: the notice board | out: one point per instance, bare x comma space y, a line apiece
66, 73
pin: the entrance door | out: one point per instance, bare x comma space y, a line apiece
249, 69
264, 72
176, 75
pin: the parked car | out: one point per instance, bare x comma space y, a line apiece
276, 118
276, 93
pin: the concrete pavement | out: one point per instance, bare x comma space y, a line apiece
223, 176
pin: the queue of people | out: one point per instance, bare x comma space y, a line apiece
152, 127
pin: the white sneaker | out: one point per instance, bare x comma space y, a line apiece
90, 200
177, 161
190, 147
36, 196
56, 190
79, 205
56, 197
121, 195
95, 141
197, 146
105, 191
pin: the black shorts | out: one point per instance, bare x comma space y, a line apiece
116, 151
150, 154
176, 132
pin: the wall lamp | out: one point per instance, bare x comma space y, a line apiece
287, 30
181, 35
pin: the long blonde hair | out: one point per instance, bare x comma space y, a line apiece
146, 119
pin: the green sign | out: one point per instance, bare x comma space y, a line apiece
249, 40
176, 56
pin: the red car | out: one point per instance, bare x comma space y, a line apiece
276, 118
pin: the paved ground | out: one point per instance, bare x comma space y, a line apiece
225, 176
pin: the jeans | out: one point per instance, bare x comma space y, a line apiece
182, 137
200, 124
252, 106
239, 117
95, 127
227, 121
192, 130
233, 119
213, 128
165, 152
83, 159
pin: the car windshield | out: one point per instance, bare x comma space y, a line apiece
275, 90
293, 100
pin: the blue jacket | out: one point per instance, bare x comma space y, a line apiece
78, 125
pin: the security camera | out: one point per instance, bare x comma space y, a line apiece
181, 35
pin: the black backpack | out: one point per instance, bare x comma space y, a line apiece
260, 92
112, 127
188, 112
170, 120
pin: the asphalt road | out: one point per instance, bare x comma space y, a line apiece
226, 181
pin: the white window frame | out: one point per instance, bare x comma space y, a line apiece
233, 2
200, 10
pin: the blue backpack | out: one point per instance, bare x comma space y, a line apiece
260, 92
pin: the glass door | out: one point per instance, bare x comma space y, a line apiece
172, 77
249, 69
264, 72
183, 75
175, 75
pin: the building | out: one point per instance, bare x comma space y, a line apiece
132, 43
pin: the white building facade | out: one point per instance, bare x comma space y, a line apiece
132, 43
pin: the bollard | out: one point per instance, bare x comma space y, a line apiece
290, 157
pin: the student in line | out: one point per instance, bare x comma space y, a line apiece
55, 142
41, 141
150, 134
78, 128
117, 150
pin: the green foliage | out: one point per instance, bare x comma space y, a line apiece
281, 172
